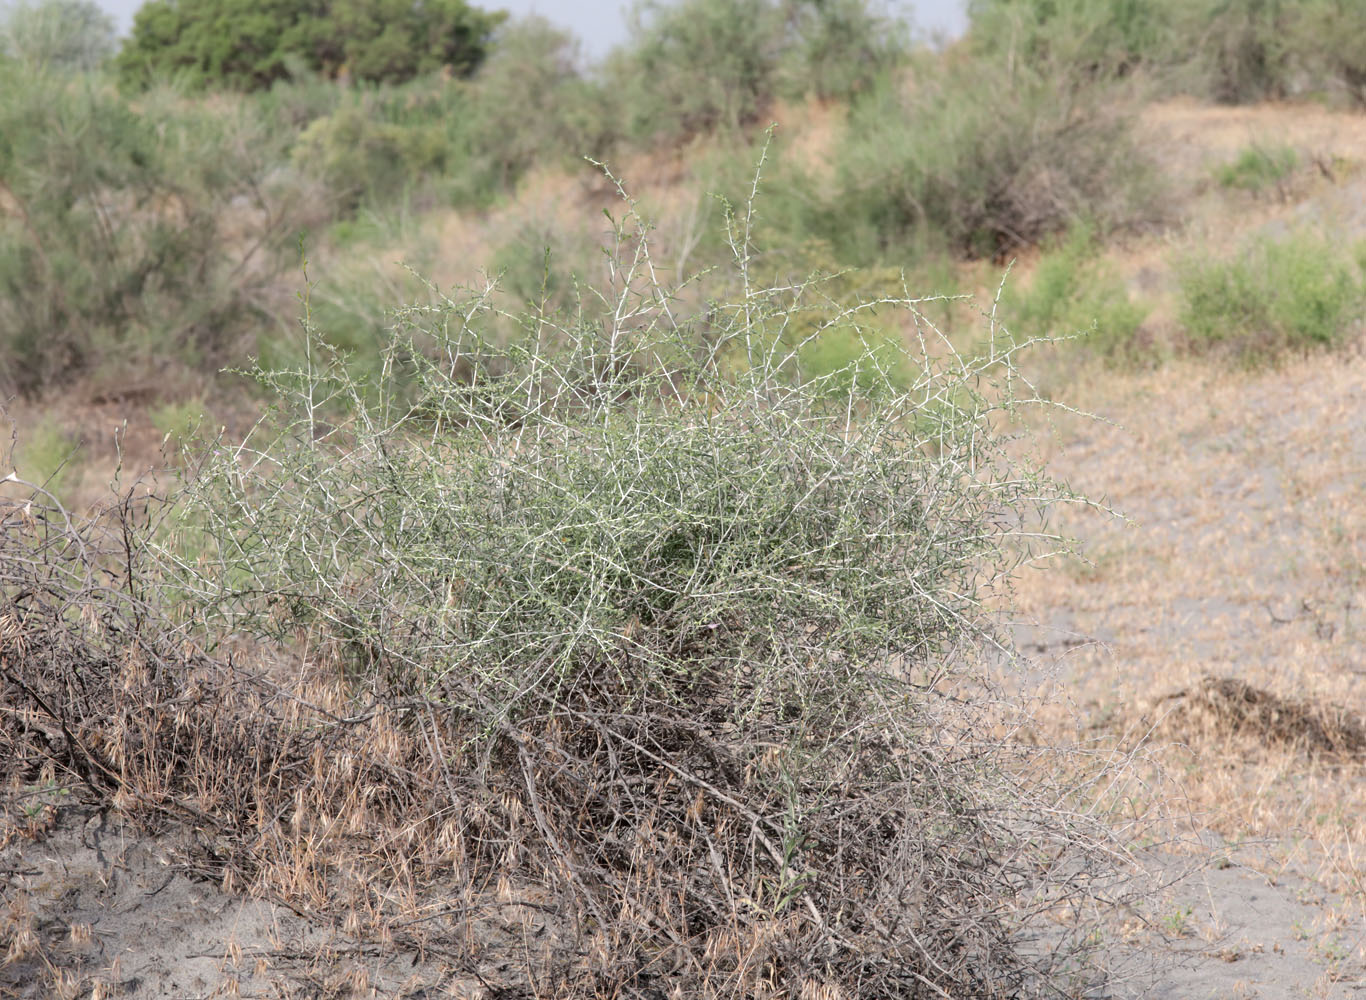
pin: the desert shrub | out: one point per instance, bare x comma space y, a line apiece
48, 454
978, 158
696, 66
247, 45
1244, 54
841, 47
358, 156
1098, 38
57, 35
457, 142
292, 104
1235, 51
1329, 37
681, 616
1074, 291
129, 237
532, 105
708, 64
1296, 293
1258, 167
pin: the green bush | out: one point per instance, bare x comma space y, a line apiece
360, 157
694, 616
1235, 51
112, 239
1072, 290
977, 158
1098, 38
1258, 167
1297, 293
1329, 37
530, 105
248, 45
48, 455
840, 48
1245, 55
706, 64
695, 66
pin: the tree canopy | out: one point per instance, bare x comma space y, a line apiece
249, 44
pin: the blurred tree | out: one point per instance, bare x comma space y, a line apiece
532, 103
703, 64
249, 44
61, 35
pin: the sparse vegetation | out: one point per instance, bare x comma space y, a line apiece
114, 230
978, 159
65, 36
1073, 291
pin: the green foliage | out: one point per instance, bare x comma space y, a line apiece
979, 159
1258, 167
697, 65
182, 424
56, 35
1330, 38
1245, 54
853, 357
359, 156
1293, 294
840, 47
1073, 290
47, 456
597, 488
708, 64
461, 142
248, 45
1234, 51
112, 247
530, 104
1098, 38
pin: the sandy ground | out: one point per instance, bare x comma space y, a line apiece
1241, 554
91, 907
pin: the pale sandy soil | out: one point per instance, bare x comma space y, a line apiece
1241, 554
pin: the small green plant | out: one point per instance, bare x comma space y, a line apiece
47, 456
181, 423
1297, 293
1177, 922
1074, 291
1258, 167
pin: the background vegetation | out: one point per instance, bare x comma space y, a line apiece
123, 183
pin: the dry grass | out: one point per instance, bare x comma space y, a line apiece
1225, 620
